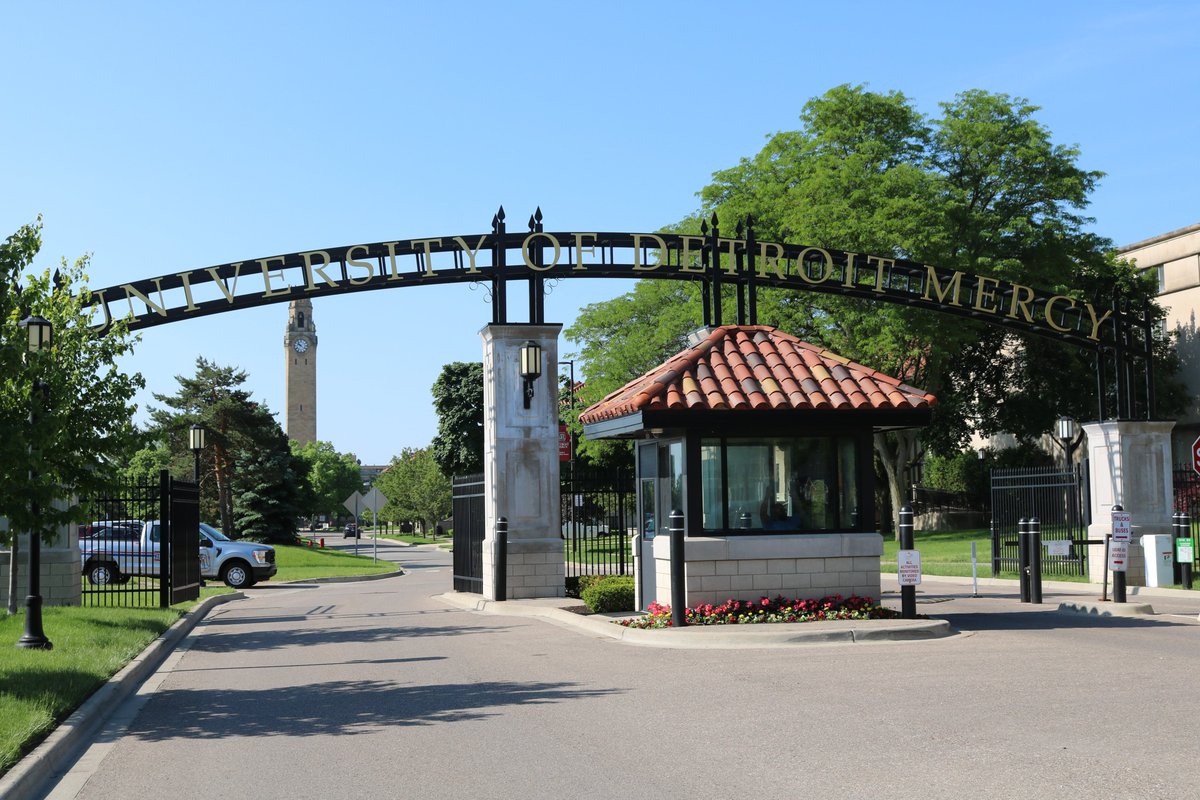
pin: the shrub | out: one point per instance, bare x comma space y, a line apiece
575, 586
610, 593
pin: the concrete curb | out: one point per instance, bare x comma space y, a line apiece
710, 637
342, 578
30, 774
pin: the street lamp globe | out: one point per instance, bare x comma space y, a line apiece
40, 332
196, 438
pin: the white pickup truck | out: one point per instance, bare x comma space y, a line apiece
112, 558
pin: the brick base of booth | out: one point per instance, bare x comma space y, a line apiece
801, 566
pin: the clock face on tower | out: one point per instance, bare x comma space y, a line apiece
300, 345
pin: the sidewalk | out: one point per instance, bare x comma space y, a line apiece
951, 595
707, 637
953, 612
1065, 595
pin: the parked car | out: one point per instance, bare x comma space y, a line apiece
109, 557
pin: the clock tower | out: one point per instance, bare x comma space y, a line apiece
300, 372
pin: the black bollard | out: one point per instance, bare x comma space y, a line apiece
908, 594
502, 558
1035, 561
1023, 559
678, 563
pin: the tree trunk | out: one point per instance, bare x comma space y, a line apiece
224, 490
896, 450
12, 576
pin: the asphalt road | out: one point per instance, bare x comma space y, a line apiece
369, 690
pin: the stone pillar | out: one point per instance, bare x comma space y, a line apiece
520, 463
1129, 463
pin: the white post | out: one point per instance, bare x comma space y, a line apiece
974, 571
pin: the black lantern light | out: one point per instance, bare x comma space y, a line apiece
1068, 429
196, 444
40, 332
531, 367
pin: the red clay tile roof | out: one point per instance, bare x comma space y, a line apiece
757, 367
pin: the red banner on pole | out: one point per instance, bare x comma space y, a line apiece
564, 443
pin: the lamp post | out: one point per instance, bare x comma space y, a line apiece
531, 367
40, 334
1067, 430
196, 443
571, 389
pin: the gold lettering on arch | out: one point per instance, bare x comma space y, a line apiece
525, 251
802, 266
637, 251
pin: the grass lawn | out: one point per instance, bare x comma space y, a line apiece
949, 553
39, 689
601, 549
298, 563
412, 538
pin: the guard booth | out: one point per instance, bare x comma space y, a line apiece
765, 443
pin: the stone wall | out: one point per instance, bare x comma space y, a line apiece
60, 572
804, 566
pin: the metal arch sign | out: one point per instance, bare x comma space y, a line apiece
498, 257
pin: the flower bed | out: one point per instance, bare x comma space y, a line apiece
750, 612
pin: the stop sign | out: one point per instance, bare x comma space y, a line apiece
1196, 454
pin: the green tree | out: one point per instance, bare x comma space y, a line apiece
333, 476
236, 424
982, 188
83, 427
416, 488
621, 339
458, 400
146, 464
272, 484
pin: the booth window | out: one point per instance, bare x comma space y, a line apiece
779, 483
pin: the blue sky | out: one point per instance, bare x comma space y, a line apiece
165, 136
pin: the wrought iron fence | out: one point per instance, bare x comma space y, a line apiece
467, 493
926, 500
1058, 498
598, 510
1187, 499
118, 568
